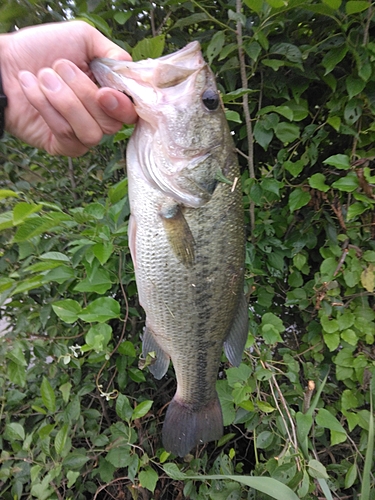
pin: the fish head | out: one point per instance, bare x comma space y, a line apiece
180, 111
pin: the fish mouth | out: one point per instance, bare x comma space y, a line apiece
149, 77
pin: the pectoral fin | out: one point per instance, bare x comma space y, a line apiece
160, 366
178, 233
235, 342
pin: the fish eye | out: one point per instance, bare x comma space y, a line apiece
210, 99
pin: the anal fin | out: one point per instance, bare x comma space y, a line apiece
160, 366
236, 339
178, 233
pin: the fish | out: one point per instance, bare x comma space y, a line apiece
186, 233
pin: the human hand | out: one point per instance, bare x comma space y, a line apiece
53, 102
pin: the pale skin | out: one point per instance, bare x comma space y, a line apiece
53, 101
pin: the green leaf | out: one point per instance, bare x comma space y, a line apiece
141, 410
75, 460
58, 256
295, 168
120, 456
103, 251
98, 337
149, 48
100, 310
317, 181
348, 184
287, 132
48, 395
16, 355
148, 479
304, 424
14, 432
351, 476
267, 485
188, 21
339, 161
23, 210
325, 419
99, 282
16, 373
317, 470
215, 46
121, 18
8, 193
68, 310
333, 57
298, 198
262, 135
354, 86
123, 408
60, 439
356, 6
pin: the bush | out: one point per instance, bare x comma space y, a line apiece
79, 418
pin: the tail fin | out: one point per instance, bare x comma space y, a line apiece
184, 427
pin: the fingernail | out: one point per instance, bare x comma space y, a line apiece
65, 71
109, 102
26, 79
50, 80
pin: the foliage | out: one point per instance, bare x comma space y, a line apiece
79, 418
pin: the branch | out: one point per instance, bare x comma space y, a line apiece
245, 105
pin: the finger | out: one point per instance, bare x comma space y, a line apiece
61, 138
109, 120
69, 106
117, 105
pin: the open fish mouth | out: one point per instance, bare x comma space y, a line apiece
149, 75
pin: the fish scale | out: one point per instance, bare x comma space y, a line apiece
186, 233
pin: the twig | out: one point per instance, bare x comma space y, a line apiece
245, 105
72, 179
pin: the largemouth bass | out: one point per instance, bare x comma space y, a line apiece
186, 232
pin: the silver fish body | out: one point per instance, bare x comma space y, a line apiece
186, 232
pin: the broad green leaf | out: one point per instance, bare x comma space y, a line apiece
8, 193
354, 86
75, 460
355, 6
304, 424
98, 337
98, 22
149, 48
215, 46
368, 278
339, 161
262, 135
148, 479
65, 391
317, 181
121, 18
333, 4
6, 220
348, 184
118, 191
119, 456
325, 419
333, 57
295, 168
37, 225
188, 21
68, 310
48, 395
72, 477
123, 408
254, 5
60, 439
14, 432
100, 310
316, 469
233, 116
16, 373
335, 122
287, 132
267, 485
351, 474
23, 210
355, 209
141, 410
54, 256
298, 198
16, 355
99, 282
